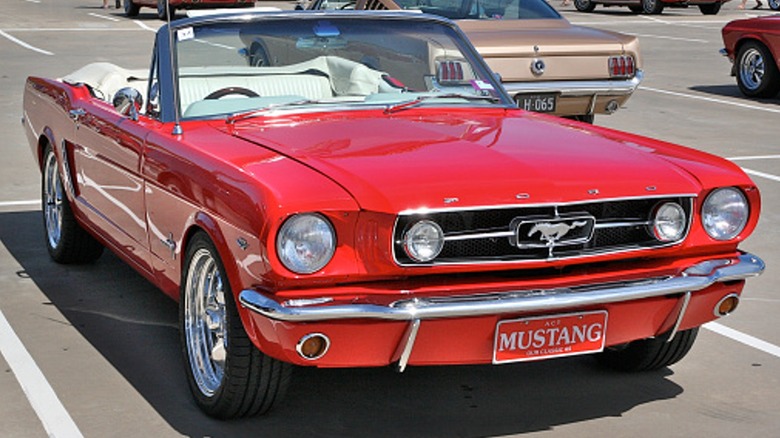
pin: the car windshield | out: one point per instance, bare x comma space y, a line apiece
233, 70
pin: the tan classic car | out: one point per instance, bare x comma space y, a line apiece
546, 63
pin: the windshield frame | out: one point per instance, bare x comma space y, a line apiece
167, 61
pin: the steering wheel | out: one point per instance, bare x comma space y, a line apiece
222, 92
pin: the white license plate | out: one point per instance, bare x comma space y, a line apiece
544, 337
540, 103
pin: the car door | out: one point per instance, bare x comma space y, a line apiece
108, 149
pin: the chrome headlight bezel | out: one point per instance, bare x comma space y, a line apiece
423, 241
306, 243
725, 213
669, 222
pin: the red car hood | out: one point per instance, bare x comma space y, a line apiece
420, 159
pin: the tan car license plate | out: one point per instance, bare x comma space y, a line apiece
540, 103
544, 337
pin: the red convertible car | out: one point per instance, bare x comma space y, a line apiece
753, 47
167, 8
369, 195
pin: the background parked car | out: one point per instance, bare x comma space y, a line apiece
753, 46
546, 63
132, 7
707, 7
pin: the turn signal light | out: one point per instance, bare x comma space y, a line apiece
313, 346
726, 305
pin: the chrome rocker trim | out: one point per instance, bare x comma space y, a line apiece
578, 88
697, 277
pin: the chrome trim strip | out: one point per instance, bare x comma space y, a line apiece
478, 236
406, 345
695, 278
683, 308
428, 210
622, 224
604, 88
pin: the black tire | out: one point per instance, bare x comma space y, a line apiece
652, 7
757, 73
584, 118
163, 13
228, 376
584, 5
258, 56
66, 241
131, 9
711, 8
774, 5
649, 354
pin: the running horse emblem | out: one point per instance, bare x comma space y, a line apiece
552, 233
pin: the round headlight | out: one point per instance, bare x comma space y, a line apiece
424, 241
306, 243
725, 213
669, 222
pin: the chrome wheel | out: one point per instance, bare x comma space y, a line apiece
52, 201
752, 68
205, 322
757, 74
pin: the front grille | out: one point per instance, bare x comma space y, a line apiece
502, 234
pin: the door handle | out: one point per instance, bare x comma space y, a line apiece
75, 114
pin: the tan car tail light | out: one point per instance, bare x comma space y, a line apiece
622, 66
450, 71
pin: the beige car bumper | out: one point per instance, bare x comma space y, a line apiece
576, 98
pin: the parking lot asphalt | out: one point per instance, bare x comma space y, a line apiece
93, 350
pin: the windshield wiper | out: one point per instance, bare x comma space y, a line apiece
420, 99
237, 117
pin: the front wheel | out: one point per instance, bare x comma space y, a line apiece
652, 7
584, 5
774, 5
165, 12
228, 376
757, 74
131, 9
649, 354
66, 241
710, 9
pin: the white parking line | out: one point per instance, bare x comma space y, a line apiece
40, 394
710, 99
23, 44
20, 203
754, 157
664, 37
103, 17
761, 174
748, 340
144, 26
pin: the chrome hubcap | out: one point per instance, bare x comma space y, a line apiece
52, 201
205, 324
752, 69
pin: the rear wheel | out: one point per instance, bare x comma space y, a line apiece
774, 5
757, 74
652, 7
228, 376
649, 354
710, 9
584, 5
131, 9
66, 241
164, 12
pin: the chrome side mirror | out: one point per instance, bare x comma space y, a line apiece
128, 102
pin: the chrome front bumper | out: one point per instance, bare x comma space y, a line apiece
578, 88
695, 278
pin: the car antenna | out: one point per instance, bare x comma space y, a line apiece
176, 108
